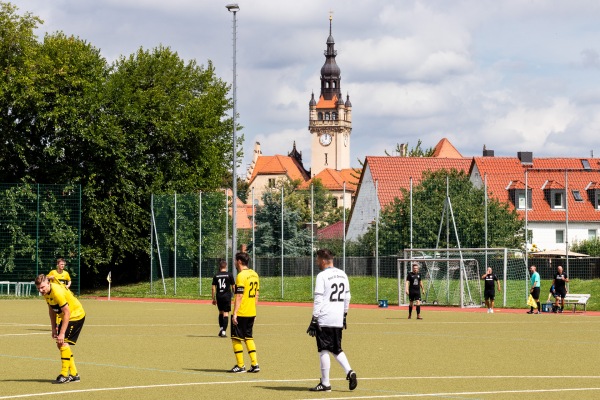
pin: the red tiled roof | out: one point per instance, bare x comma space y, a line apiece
333, 231
445, 149
501, 171
394, 173
278, 165
243, 213
334, 180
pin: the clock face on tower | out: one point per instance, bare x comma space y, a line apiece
325, 139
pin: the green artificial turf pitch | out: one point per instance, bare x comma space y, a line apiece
170, 350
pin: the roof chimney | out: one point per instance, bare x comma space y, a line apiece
526, 157
487, 153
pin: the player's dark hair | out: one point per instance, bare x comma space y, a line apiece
39, 279
244, 258
222, 264
325, 254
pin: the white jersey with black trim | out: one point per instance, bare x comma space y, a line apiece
332, 297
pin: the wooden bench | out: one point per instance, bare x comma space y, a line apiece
577, 299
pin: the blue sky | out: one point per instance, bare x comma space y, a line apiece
515, 75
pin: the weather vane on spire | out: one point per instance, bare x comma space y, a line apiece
330, 19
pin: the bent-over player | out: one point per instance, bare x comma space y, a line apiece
66, 318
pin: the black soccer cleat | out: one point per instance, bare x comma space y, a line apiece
62, 379
352, 381
254, 369
75, 378
237, 370
222, 333
320, 388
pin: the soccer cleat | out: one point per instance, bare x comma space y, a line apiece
352, 381
419, 317
222, 333
254, 369
409, 316
529, 312
74, 378
62, 379
237, 370
320, 388
491, 310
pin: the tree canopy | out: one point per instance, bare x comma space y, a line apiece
148, 123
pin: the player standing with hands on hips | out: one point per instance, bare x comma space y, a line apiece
332, 300
414, 286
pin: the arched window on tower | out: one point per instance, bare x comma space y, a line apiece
326, 84
334, 115
320, 116
333, 84
326, 116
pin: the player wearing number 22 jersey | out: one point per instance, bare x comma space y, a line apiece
244, 312
331, 304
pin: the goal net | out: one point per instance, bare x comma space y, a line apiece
452, 277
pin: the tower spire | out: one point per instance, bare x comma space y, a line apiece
330, 72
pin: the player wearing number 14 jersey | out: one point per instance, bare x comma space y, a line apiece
244, 312
332, 300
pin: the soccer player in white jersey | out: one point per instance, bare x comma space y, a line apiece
332, 300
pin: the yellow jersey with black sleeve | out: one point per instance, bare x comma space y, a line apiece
246, 283
58, 296
60, 277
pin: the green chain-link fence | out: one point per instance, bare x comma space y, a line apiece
38, 224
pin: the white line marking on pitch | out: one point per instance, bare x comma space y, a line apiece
20, 396
396, 396
23, 334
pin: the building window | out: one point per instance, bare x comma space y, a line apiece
592, 234
560, 236
271, 182
320, 116
325, 158
334, 202
334, 115
577, 195
326, 84
327, 116
520, 199
558, 200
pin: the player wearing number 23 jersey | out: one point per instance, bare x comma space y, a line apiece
244, 312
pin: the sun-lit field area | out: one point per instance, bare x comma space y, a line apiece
159, 350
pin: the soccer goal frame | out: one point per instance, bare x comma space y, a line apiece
465, 265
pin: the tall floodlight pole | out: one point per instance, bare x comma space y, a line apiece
234, 8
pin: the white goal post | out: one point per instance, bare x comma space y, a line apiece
452, 276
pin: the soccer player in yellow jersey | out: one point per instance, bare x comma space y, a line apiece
59, 275
244, 313
66, 318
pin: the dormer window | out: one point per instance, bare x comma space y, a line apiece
518, 197
577, 195
557, 199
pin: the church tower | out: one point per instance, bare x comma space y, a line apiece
330, 118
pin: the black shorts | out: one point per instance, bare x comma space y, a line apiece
560, 293
489, 294
414, 296
224, 303
535, 293
243, 329
73, 330
329, 339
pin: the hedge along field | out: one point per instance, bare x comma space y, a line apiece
157, 350
299, 289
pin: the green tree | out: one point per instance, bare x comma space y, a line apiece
416, 151
149, 123
296, 240
590, 247
505, 229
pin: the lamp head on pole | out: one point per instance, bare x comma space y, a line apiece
233, 7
